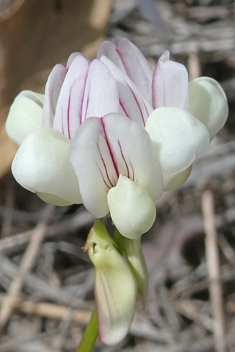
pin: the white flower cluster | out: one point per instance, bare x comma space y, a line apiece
113, 134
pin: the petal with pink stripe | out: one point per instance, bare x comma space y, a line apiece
107, 147
68, 115
133, 103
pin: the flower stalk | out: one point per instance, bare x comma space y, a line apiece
90, 335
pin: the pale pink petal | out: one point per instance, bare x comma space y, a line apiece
73, 56
68, 115
133, 103
101, 93
136, 66
131, 61
170, 84
109, 50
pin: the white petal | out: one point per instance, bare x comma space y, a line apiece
178, 179
208, 102
101, 94
52, 91
131, 208
25, 115
42, 165
179, 138
132, 101
170, 84
68, 114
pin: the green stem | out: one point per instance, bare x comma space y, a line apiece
90, 335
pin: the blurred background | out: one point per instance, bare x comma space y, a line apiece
46, 281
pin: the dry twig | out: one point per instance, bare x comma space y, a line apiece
212, 257
25, 266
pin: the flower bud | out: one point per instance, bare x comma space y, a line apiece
115, 286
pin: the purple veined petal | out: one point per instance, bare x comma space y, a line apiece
109, 50
68, 114
136, 66
133, 153
132, 102
52, 91
107, 147
131, 61
101, 93
73, 56
170, 84
94, 165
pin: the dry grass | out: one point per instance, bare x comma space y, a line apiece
46, 281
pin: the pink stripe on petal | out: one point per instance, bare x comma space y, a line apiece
127, 168
106, 169
136, 66
69, 106
132, 100
109, 148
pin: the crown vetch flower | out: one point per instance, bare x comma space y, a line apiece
84, 149
114, 132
